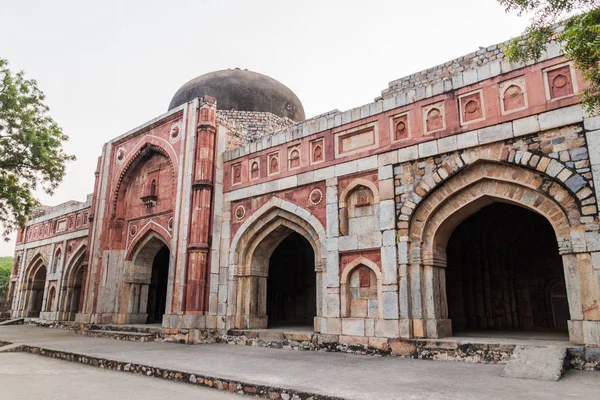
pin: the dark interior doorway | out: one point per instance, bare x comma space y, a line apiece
157, 292
291, 285
505, 273
37, 286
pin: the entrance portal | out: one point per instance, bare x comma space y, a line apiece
504, 272
36, 294
157, 291
291, 284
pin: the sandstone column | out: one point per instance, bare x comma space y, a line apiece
198, 269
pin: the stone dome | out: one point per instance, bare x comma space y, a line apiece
242, 90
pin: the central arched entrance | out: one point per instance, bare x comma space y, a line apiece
291, 283
146, 281
157, 291
504, 272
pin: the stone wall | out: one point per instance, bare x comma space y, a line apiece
248, 126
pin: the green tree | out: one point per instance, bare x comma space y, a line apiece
5, 270
31, 152
575, 24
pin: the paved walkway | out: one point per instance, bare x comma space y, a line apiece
28, 377
335, 374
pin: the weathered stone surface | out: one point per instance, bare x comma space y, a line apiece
545, 363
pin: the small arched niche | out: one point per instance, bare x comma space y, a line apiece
361, 290
359, 209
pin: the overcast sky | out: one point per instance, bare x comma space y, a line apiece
109, 66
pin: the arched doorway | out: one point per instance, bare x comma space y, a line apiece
36, 288
74, 297
146, 281
291, 283
157, 291
504, 272
258, 264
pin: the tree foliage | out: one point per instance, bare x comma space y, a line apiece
5, 271
575, 24
31, 152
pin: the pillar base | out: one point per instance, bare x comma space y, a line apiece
584, 332
432, 328
252, 322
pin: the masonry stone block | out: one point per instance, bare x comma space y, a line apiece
405, 328
386, 328
334, 326
386, 189
368, 241
388, 264
385, 172
353, 326
390, 305
332, 212
467, 139
576, 332
526, 126
591, 332
408, 153
596, 177
333, 268
447, 144
591, 123
389, 103
561, 117
387, 214
469, 76
346, 168
333, 305
348, 243
367, 163
389, 237
389, 158
306, 178
495, 133
332, 244
324, 173
593, 141
403, 252
428, 149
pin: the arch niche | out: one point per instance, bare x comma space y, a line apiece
253, 248
36, 282
146, 282
481, 185
72, 289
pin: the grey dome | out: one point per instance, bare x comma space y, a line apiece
242, 90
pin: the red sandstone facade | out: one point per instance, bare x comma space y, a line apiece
465, 197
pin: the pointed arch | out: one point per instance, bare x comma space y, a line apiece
353, 185
148, 238
36, 262
148, 145
345, 280
483, 183
75, 260
251, 250
150, 227
277, 208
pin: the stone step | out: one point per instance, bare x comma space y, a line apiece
15, 321
542, 363
120, 335
153, 329
11, 347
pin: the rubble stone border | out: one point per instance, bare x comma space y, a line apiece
239, 387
